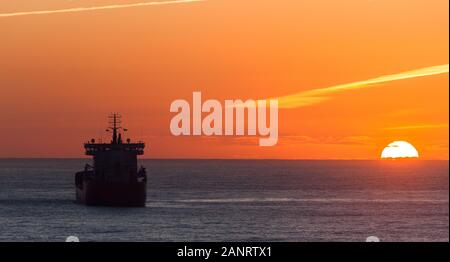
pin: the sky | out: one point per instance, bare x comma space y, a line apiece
351, 76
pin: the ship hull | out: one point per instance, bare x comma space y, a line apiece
118, 194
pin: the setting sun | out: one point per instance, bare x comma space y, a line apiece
399, 149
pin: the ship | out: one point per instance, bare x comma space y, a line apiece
114, 178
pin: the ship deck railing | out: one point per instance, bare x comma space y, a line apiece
92, 148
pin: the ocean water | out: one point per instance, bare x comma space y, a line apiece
234, 200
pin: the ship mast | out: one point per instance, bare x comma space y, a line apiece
114, 121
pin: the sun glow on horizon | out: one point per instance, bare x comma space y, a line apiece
399, 149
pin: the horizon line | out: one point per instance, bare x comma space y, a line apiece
281, 159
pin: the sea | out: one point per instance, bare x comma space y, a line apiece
234, 200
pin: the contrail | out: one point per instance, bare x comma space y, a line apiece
93, 8
315, 96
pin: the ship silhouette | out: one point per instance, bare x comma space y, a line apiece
114, 179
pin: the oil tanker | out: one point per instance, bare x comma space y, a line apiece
114, 178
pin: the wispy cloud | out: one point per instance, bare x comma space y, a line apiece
416, 127
315, 96
93, 8
289, 140
295, 140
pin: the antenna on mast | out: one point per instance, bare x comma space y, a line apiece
115, 124
115, 121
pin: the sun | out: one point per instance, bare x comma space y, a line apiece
399, 149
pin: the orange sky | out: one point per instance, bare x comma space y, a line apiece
61, 74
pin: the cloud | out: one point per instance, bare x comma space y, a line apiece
93, 8
315, 96
324, 140
290, 140
416, 127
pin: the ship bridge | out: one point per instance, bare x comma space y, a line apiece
92, 148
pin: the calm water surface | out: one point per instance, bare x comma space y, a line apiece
234, 200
